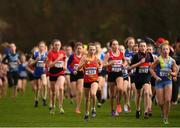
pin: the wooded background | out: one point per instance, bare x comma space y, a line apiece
28, 21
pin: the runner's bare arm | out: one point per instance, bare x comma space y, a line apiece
52, 63
152, 69
124, 61
107, 62
137, 64
29, 69
175, 69
82, 62
65, 64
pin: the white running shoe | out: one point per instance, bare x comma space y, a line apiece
126, 109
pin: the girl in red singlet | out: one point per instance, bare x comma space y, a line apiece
57, 65
114, 61
90, 63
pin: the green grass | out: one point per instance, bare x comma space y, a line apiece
20, 112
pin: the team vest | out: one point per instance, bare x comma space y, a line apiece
13, 61
40, 63
163, 69
75, 63
91, 71
143, 69
22, 70
128, 54
57, 69
117, 66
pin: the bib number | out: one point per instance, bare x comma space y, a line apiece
116, 68
90, 71
164, 73
13, 65
23, 74
143, 70
59, 64
40, 64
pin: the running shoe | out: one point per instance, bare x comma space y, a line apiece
50, 108
116, 114
150, 113
126, 109
165, 121
118, 108
86, 117
99, 105
52, 111
36, 104
93, 112
174, 103
61, 110
78, 111
44, 102
138, 114
146, 116
113, 113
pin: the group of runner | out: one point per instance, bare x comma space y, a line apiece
132, 72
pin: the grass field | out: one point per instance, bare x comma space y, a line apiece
21, 113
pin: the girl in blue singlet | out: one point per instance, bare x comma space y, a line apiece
130, 42
39, 73
22, 72
163, 69
12, 60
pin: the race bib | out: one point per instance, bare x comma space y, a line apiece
117, 66
13, 65
90, 71
164, 73
23, 74
116, 69
59, 64
40, 64
76, 66
143, 70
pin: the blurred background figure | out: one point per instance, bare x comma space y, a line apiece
176, 82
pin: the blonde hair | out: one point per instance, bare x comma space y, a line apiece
163, 44
42, 42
